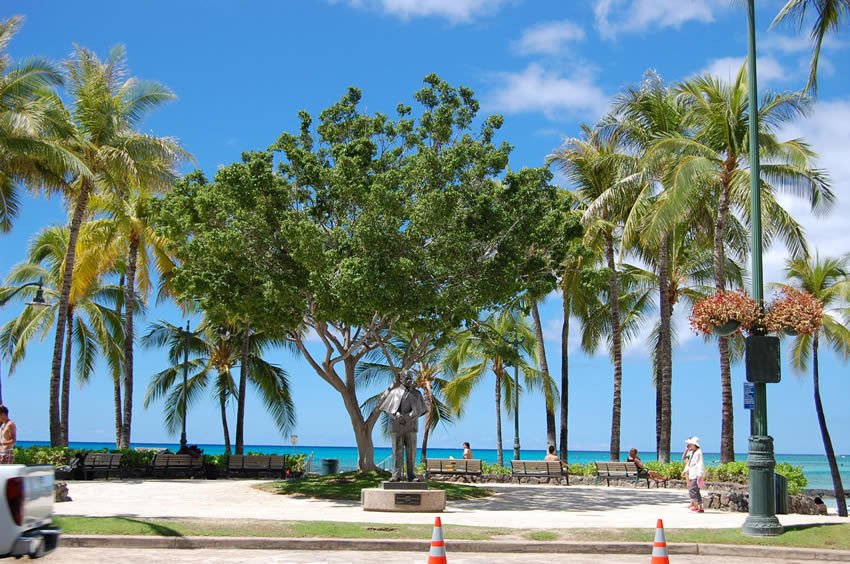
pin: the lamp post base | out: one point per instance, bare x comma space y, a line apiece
762, 521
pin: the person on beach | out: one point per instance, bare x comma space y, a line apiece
551, 456
8, 437
467, 452
633, 457
694, 473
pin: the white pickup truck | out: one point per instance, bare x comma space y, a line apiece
26, 505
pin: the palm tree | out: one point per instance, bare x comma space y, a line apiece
33, 128
214, 353
107, 109
593, 164
711, 175
93, 326
827, 280
487, 348
830, 14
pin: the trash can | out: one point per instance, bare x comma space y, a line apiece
330, 466
781, 487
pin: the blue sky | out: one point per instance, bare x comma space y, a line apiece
243, 70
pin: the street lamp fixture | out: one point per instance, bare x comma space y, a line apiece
37, 302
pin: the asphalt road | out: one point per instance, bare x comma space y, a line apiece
184, 556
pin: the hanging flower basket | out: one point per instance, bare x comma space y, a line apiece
727, 329
794, 312
724, 314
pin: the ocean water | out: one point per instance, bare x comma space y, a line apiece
814, 466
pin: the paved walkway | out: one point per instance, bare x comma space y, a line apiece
521, 507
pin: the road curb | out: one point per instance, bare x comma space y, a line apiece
406, 545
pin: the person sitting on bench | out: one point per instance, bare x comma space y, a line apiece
633, 457
551, 456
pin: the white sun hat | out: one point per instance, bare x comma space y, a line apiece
692, 441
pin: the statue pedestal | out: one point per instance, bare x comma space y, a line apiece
409, 497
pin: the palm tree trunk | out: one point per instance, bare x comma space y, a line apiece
66, 376
727, 421
500, 458
666, 347
80, 205
429, 405
243, 383
616, 348
565, 377
223, 404
129, 305
658, 399
116, 376
840, 498
551, 437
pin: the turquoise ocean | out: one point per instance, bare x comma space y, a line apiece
814, 466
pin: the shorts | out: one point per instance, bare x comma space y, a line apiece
7, 456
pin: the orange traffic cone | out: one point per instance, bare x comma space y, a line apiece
659, 548
438, 546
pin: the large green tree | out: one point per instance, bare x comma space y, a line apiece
827, 280
372, 224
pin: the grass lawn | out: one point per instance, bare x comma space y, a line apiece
349, 484
808, 536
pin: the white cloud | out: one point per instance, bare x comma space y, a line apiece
769, 69
799, 43
537, 90
548, 38
614, 17
453, 10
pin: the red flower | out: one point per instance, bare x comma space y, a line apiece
795, 310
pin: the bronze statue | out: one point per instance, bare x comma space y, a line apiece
405, 405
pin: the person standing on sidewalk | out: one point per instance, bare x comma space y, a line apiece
8, 437
694, 473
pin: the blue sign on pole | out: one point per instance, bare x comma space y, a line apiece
749, 395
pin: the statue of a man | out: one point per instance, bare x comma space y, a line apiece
405, 405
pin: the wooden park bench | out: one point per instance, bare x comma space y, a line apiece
625, 470
170, 465
260, 466
98, 462
452, 467
539, 469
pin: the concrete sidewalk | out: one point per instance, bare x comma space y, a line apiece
521, 507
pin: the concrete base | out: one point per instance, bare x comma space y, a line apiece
407, 500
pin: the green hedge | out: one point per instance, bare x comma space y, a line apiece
61, 456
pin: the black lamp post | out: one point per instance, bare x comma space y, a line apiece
762, 352
515, 342
37, 302
185, 335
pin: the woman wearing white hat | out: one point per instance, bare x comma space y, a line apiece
694, 472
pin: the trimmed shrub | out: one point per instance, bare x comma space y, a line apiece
797, 481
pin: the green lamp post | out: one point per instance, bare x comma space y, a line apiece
762, 352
